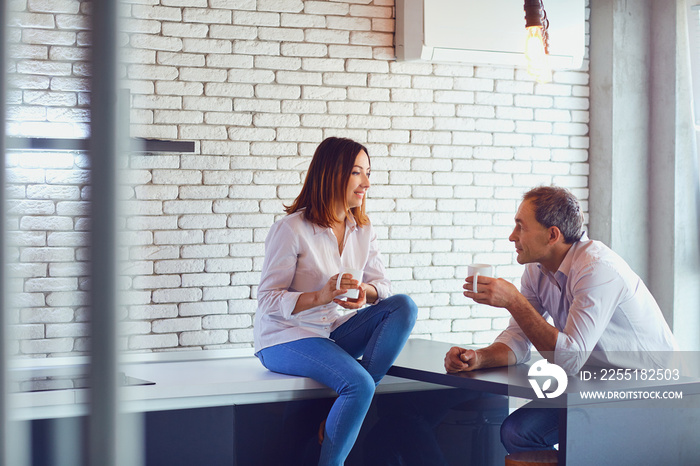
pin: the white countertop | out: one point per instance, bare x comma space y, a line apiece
191, 379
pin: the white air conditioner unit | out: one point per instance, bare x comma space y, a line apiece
486, 31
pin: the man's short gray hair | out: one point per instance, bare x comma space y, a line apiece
557, 207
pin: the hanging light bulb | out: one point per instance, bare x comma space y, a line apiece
536, 46
537, 58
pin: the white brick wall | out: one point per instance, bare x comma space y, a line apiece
257, 85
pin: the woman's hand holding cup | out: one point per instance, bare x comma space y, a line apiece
350, 281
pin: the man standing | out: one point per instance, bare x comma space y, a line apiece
599, 308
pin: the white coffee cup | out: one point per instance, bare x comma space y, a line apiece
476, 270
352, 293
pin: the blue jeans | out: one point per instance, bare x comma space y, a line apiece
531, 428
378, 334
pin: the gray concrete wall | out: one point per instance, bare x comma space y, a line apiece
644, 177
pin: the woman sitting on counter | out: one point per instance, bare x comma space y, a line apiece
298, 328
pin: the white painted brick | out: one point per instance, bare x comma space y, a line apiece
502, 166
196, 45
579, 169
176, 295
551, 168
512, 140
131, 297
514, 113
30, 207
580, 142
242, 336
151, 223
551, 140
291, 6
180, 30
156, 281
151, 41
24, 332
299, 134
205, 279
242, 306
204, 251
48, 346
28, 299
345, 79
382, 24
325, 121
278, 63
371, 11
450, 258
133, 328
67, 330
275, 120
431, 326
574, 129
154, 252
228, 177
67, 239
180, 236
227, 119
179, 266
374, 38
153, 311
203, 308
47, 255
69, 269
226, 321
580, 116
349, 51
327, 36
431, 218
171, 102
471, 325
360, 108
177, 325
348, 23
253, 18
206, 15
434, 109
325, 8
246, 278
228, 265
230, 292
46, 315
140, 342
196, 222
67, 298
225, 148
227, 236
203, 337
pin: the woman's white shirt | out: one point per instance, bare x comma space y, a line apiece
301, 257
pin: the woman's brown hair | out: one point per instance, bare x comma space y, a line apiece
326, 183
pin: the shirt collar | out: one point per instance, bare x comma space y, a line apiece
564, 269
350, 223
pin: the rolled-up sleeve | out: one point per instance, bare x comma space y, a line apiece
374, 271
515, 339
278, 271
597, 289
513, 336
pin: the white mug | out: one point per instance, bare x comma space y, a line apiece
476, 270
352, 293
